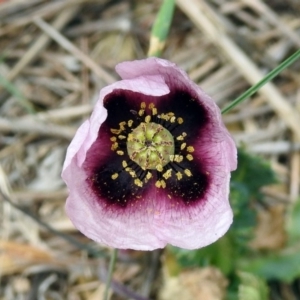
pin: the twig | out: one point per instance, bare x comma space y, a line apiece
67, 45
31, 125
62, 19
205, 19
64, 236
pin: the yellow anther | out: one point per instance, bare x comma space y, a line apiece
188, 172
189, 157
138, 182
159, 168
172, 157
130, 137
167, 174
178, 175
182, 146
154, 111
122, 125
173, 119
143, 105
115, 131
113, 138
160, 184
178, 158
129, 123
179, 120
120, 152
114, 176
149, 175
180, 138
124, 163
114, 146
132, 173
141, 112
151, 105
190, 149
147, 119
121, 137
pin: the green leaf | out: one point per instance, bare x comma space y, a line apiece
252, 173
282, 266
252, 287
216, 254
12, 89
293, 223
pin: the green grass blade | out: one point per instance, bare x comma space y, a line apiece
12, 89
262, 82
160, 29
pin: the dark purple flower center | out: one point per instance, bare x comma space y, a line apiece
148, 143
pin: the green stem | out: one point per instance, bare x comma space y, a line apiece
262, 82
161, 27
111, 267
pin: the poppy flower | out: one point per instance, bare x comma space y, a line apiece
152, 164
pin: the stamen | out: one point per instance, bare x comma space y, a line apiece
179, 120
147, 119
114, 146
120, 152
130, 137
115, 131
122, 126
182, 146
114, 176
132, 173
190, 149
160, 184
188, 172
178, 158
167, 174
159, 168
138, 182
190, 157
129, 123
124, 164
179, 175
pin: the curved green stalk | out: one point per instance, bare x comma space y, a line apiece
262, 82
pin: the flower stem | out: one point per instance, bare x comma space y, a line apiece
111, 267
160, 28
262, 82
